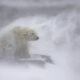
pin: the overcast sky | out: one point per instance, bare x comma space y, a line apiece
38, 2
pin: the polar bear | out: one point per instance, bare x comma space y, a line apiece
14, 42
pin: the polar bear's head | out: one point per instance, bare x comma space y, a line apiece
25, 33
31, 35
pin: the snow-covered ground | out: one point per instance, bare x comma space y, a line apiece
59, 38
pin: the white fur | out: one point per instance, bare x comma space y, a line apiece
13, 44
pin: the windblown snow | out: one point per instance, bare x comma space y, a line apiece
59, 38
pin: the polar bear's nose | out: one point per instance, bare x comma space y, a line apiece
37, 38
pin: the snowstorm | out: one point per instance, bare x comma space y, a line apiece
56, 55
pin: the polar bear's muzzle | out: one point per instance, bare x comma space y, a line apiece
33, 38
37, 38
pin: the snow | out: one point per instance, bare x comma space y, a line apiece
59, 38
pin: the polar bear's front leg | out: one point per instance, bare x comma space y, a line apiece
21, 49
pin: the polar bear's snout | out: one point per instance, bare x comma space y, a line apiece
34, 38
37, 38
